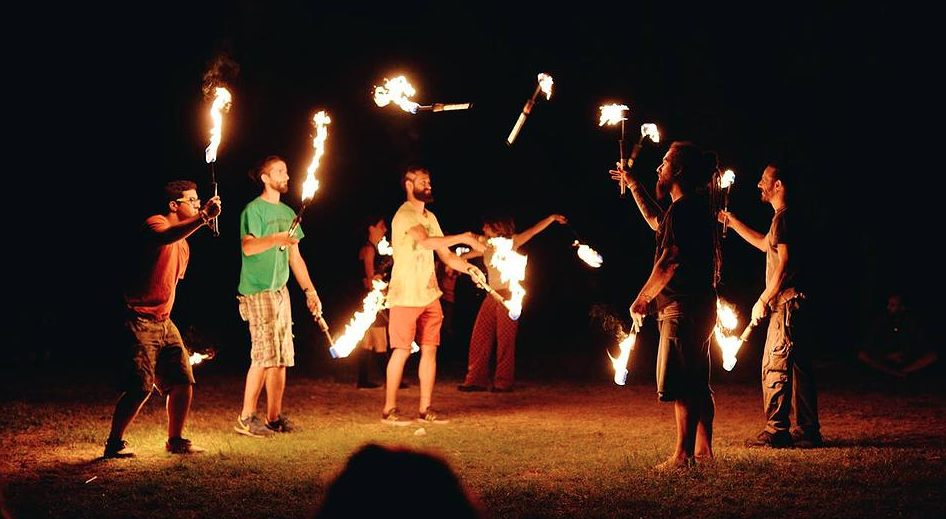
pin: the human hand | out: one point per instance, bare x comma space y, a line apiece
283, 239
558, 218
759, 310
473, 241
622, 174
724, 217
638, 310
212, 207
313, 302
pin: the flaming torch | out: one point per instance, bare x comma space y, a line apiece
725, 183
648, 130
586, 253
611, 115
311, 185
384, 248
197, 358
358, 325
512, 268
544, 86
399, 91
626, 345
726, 322
220, 105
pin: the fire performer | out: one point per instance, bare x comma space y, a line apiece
414, 296
269, 252
681, 291
493, 324
788, 384
156, 354
374, 345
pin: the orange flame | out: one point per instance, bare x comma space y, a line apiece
361, 321
726, 322
650, 130
545, 84
220, 105
588, 255
397, 91
626, 345
729, 176
612, 114
197, 358
512, 268
311, 185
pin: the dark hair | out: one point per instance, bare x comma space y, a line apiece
256, 174
175, 189
503, 224
412, 169
698, 166
404, 471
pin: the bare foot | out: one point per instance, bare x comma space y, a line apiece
673, 463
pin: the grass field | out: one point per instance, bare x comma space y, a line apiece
550, 449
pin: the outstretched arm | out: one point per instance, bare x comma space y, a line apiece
184, 228
419, 234
754, 238
520, 239
456, 262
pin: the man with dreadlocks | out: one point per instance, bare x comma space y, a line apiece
680, 290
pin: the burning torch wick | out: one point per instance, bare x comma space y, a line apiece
441, 107
482, 283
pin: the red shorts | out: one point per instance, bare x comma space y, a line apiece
415, 323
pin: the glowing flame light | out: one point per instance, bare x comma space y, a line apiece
220, 105
361, 321
397, 91
197, 358
726, 322
729, 176
512, 268
311, 185
650, 130
384, 248
626, 345
588, 255
545, 84
612, 114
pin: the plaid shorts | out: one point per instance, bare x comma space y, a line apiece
155, 356
270, 318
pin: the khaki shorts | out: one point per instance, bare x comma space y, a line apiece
415, 323
156, 356
270, 318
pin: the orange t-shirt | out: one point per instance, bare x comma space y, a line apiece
150, 289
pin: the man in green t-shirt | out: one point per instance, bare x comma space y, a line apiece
413, 295
269, 253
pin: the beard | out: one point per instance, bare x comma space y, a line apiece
663, 188
283, 187
424, 195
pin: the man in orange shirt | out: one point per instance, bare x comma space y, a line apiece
157, 356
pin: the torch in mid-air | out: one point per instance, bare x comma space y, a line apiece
544, 86
400, 91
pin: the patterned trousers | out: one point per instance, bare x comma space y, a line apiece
493, 326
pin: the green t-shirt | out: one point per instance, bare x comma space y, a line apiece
268, 270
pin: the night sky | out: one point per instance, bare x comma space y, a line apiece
827, 87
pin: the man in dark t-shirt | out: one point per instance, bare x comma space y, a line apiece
789, 398
681, 291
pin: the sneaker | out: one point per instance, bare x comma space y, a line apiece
252, 426
779, 440
471, 388
282, 425
117, 449
430, 416
807, 441
393, 418
182, 446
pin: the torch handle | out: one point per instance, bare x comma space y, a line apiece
213, 224
292, 227
324, 327
726, 208
519, 122
747, 331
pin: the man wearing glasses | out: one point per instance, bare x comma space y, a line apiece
156, 354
